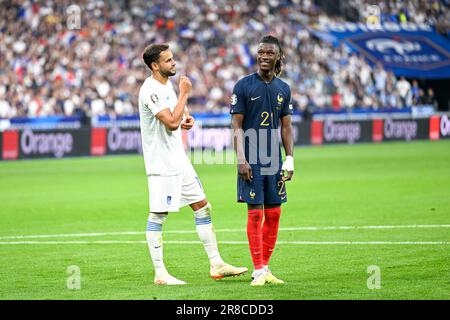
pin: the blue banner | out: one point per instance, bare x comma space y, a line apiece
408, 50
47, 122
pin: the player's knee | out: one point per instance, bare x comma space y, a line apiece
255, 215
157, 218
272, 213
204, 212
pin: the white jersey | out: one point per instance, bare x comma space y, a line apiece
162, 148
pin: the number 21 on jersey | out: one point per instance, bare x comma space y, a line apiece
265, 118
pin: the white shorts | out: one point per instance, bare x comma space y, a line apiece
170, 193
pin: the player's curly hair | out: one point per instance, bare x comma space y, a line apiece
279, 64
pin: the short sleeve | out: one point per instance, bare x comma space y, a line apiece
238, 99
288, 108
153, 102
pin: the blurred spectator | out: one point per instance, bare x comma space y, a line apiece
348, 96
415, 92
380, 79
336, 101
404, 91
430, 99
422, 97
6, 111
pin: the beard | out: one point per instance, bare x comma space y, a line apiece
168, 73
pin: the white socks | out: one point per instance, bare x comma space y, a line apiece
207, 234
258, 272
154, 241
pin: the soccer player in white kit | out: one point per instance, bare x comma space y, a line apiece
172, 181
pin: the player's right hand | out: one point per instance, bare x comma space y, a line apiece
185, 85
245, 172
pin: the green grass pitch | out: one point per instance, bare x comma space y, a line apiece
358, 186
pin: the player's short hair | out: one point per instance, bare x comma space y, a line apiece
152, 53
280, 62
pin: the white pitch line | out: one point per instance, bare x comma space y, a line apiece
62, 235
99, 234
230, 242
412, 226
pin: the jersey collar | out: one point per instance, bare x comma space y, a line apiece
261, 79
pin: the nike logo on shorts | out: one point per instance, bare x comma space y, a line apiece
254, 98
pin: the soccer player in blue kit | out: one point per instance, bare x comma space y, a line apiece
260, 105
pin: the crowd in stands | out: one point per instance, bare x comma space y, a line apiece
47, 67
432, 12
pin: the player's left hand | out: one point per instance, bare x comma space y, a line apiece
188, 122
288, 165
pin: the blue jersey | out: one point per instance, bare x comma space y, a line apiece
263, 105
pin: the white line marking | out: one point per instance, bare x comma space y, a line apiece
99, 234
232, 242
62, 235
413, 226
73, 242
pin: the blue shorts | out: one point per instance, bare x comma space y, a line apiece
263, 189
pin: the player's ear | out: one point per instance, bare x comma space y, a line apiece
154, 66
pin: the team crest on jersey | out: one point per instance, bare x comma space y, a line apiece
233, 99
154, 98
252, 194
280, 100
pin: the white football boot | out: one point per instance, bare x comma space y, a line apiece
270, 278
226, 270
259, 278
168, 280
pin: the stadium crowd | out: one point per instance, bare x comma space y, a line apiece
48, 67
433, 12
